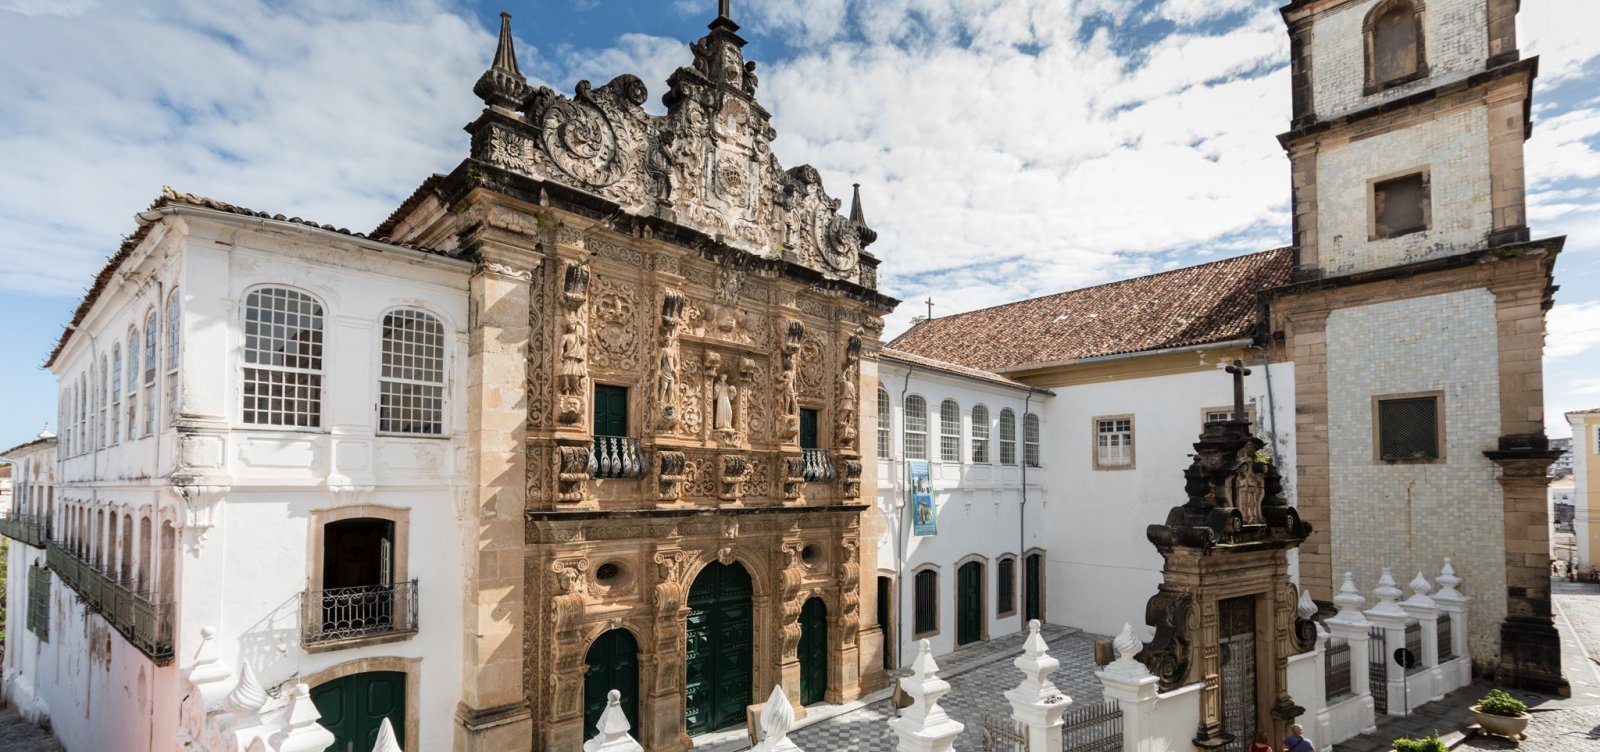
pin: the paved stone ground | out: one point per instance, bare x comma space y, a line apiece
1566, 730
17, 735
979, 675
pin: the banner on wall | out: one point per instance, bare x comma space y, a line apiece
923, 519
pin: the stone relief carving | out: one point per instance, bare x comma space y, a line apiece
673, 472
847, 394
668, 360
616, 327
574, 375
788, 392
734, 470
538, 355
576, 467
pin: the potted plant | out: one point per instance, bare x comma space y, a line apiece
1501, 714
1430, 743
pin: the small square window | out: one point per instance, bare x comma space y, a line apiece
1409, 428
1113, 442
1400, 206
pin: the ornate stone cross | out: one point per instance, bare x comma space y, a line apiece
1239, 372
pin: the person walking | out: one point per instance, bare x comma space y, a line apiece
1297, 741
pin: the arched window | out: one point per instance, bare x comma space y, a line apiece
1030, 439
173, 331
1394, 44
1008, 437
152, 358
283, 359
116, 392
949, 431
411, 385
885, 425
916, 428
133, 384
102, 395
980, 434
1006, 592
83, 413
926, 605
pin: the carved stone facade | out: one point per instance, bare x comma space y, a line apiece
665, 277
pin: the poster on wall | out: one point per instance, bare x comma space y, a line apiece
923, 519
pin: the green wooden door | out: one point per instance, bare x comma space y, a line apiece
1032, 597
352, 708
813, 652
808, 429
613, 662
610, 410
718, 672
969, 603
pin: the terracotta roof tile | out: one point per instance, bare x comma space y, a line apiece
1196, 305
889, 353
170, 197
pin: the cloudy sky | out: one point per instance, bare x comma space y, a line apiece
1006, 148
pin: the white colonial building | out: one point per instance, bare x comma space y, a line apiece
261, 440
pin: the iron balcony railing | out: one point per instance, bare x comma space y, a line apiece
617, 457
1446, 639
27, 528
1336, 671
147, 625
351, 613
818, 466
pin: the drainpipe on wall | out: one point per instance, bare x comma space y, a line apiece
1022, 512
904, 538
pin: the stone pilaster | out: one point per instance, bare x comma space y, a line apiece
1530, 647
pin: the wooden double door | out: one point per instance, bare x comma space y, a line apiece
354, 706
613, 662
813, 651
718, 671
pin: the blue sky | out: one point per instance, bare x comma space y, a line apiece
1006, 148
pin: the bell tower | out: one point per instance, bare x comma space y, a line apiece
1415, 319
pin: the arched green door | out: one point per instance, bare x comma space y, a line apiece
718, 673
813, 652
969, 603
1032, 595
354, 706
613, 662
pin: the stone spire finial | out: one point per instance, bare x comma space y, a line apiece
613, 727
1036, 665
1387, 593
1126, 665
1420, 587
924, 726
248, 698
1447, 584
777, 718
44, 433
1305, 607
386, 740
858, 217
503, 84
303, 734
210, 677
1349, 600
724, 19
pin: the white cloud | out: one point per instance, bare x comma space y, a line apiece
1561, 33
1572, 328
1196, 11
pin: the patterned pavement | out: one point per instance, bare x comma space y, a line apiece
979, 677
17, 735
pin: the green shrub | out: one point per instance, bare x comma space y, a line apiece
1500, 703
1429, 743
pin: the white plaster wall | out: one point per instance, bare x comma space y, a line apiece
1453, 148
1101, 568
1585, 446
979, 506
1410, 516
1456, 42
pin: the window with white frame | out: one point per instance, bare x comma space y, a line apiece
1030, 439
116, 392
885, 425
283, 359
1008, 437
1113, 441
916, 428
411, 387
980, 434
102, 395
133, 384
949, 431
83, 413
174, 337
152, 358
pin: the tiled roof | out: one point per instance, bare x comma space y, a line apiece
1590, 411
170, 197
28, 445
1196, 305
889, 353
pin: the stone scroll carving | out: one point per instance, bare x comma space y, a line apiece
673, 472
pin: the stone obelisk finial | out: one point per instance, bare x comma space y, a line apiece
503, 84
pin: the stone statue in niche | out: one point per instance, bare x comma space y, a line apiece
788, 389
1249, 484
847, 393
574, 351
787, 400
668, 362
722, 418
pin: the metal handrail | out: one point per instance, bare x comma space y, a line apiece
146, 624
27, 528
335, 614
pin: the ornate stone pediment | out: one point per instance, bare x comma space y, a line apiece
707, 164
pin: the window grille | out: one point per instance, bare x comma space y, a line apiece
411, 398
1114, 442
1007, 591
283, 356
1408, 429
916, 428
1008, 437
39, 602
1030, 439
927, 602
980, 434
949, 431
885, 425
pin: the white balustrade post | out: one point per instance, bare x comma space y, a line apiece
613, 726
1422, 608
777, 718
1036, 702
1352, 626
1389, 616
1135, 689
1454, 604
924, 726
303, 734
